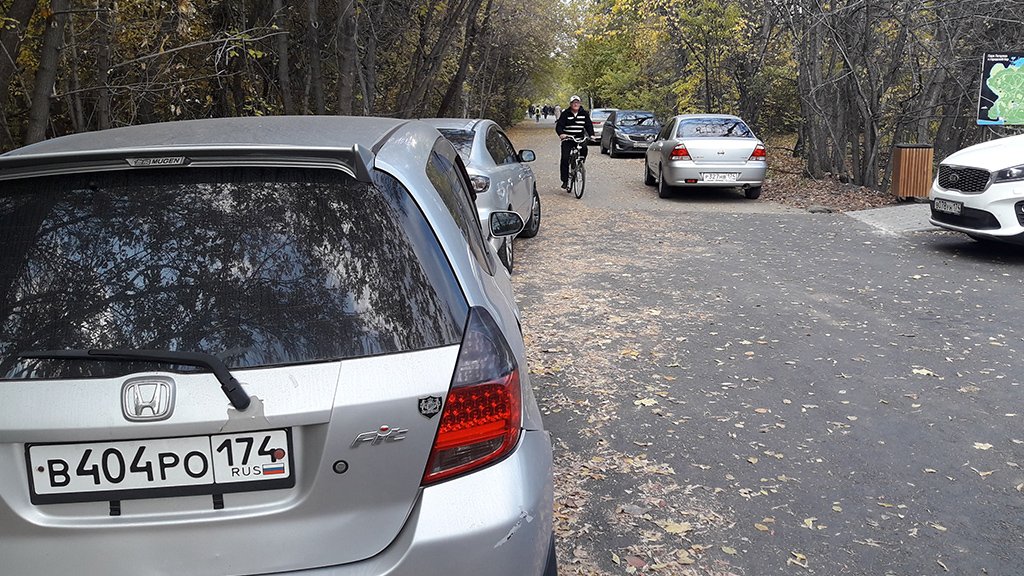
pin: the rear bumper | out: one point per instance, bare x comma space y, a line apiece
495, 521
677, 172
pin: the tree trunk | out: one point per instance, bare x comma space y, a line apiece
104, 60
145, 103
425, 69
316, 77
17, 18
453, 97
39, 114
75, 84
369, 76
348, 54
284, 82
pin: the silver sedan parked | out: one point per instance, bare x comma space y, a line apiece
501, 178
698, 150
266, 345
598, 116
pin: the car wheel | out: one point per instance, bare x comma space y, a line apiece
648, 179
613, 150
664, 190
551, 566
533, 224
506, 254
753, 193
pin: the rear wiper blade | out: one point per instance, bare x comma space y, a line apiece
231, 387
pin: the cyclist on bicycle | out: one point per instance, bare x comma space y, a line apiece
574, 122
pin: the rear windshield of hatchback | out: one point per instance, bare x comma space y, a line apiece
713, 128
258, 266
461, 139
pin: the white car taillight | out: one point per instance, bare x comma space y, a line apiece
482, 416
760, 154
680, 153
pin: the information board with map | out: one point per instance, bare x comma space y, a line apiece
1002, 89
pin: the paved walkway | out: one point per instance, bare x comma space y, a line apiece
895, 220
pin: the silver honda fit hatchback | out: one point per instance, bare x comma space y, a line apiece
261, 345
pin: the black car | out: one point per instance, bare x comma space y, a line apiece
628, 131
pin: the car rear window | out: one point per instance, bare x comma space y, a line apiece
600, 115
258, 266
713, 128
635, 119
461, 139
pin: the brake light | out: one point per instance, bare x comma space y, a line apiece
760, 154
482, 415
680, 153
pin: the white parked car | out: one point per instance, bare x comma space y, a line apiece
501, 178
980, 191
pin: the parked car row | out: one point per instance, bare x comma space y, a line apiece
688, 151
267, 345
978, 191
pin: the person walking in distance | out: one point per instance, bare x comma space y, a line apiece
573, 122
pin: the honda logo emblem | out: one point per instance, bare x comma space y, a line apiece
147, 399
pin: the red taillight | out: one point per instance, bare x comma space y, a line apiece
759, 154
680, 152
482, 415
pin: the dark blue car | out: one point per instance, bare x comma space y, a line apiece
628, 131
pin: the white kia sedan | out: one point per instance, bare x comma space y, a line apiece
980, 191
706, 150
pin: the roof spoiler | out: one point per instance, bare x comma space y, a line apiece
356, 159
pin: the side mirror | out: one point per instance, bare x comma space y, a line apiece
526, 156
505, 223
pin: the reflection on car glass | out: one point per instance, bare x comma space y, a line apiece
461, 139
636, 119
276, 266
713, 128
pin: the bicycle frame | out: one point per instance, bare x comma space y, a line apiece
577, 172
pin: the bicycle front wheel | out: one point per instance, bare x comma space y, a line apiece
579, 183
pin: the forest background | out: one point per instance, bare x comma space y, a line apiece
849, 78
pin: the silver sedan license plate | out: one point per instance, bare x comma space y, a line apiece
160, 467
719, 176
948, 206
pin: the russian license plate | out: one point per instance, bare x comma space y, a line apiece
160, 467
719, 176
948, 206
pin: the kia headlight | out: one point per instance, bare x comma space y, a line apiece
1015, 174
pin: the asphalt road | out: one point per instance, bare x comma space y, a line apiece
735, 387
